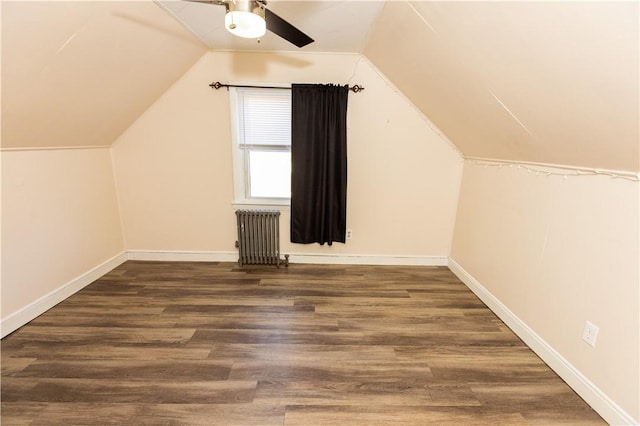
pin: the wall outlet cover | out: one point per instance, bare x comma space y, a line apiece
590, 333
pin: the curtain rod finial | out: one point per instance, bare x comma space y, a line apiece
357, 88
217, 85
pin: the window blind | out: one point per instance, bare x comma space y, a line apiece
264, 117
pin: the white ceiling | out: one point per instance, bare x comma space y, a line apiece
336, 26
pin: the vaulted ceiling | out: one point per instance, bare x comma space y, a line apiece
79, 73
548, 82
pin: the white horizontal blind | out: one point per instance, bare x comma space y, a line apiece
264, 117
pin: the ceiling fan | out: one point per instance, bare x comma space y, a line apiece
251, 19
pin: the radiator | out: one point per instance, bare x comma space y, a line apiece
259, 238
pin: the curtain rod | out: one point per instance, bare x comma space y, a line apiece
355, 89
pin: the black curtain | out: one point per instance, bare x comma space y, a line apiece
318, 163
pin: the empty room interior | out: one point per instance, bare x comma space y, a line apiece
488, 271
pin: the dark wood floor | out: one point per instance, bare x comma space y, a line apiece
207, 343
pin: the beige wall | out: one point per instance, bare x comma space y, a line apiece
174, 169
558, 252
59, 220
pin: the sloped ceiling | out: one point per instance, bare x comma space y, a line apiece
548, 82
79, 73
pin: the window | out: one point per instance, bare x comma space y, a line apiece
261, 133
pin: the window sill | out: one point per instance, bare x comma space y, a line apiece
262, 204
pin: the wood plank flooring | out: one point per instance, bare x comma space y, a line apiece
209, 343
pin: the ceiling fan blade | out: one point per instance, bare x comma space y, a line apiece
216, 2
279, 26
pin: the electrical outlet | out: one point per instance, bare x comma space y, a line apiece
590, 333
349, 234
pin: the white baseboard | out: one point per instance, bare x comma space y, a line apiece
19, 318
329, 259
368, 259
600, 402
183, 256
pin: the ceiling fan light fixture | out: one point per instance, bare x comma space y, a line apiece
245, 19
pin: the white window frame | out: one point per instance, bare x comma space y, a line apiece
241, 163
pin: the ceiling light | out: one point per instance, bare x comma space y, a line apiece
245, 19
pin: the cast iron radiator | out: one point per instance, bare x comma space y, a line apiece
259, 238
